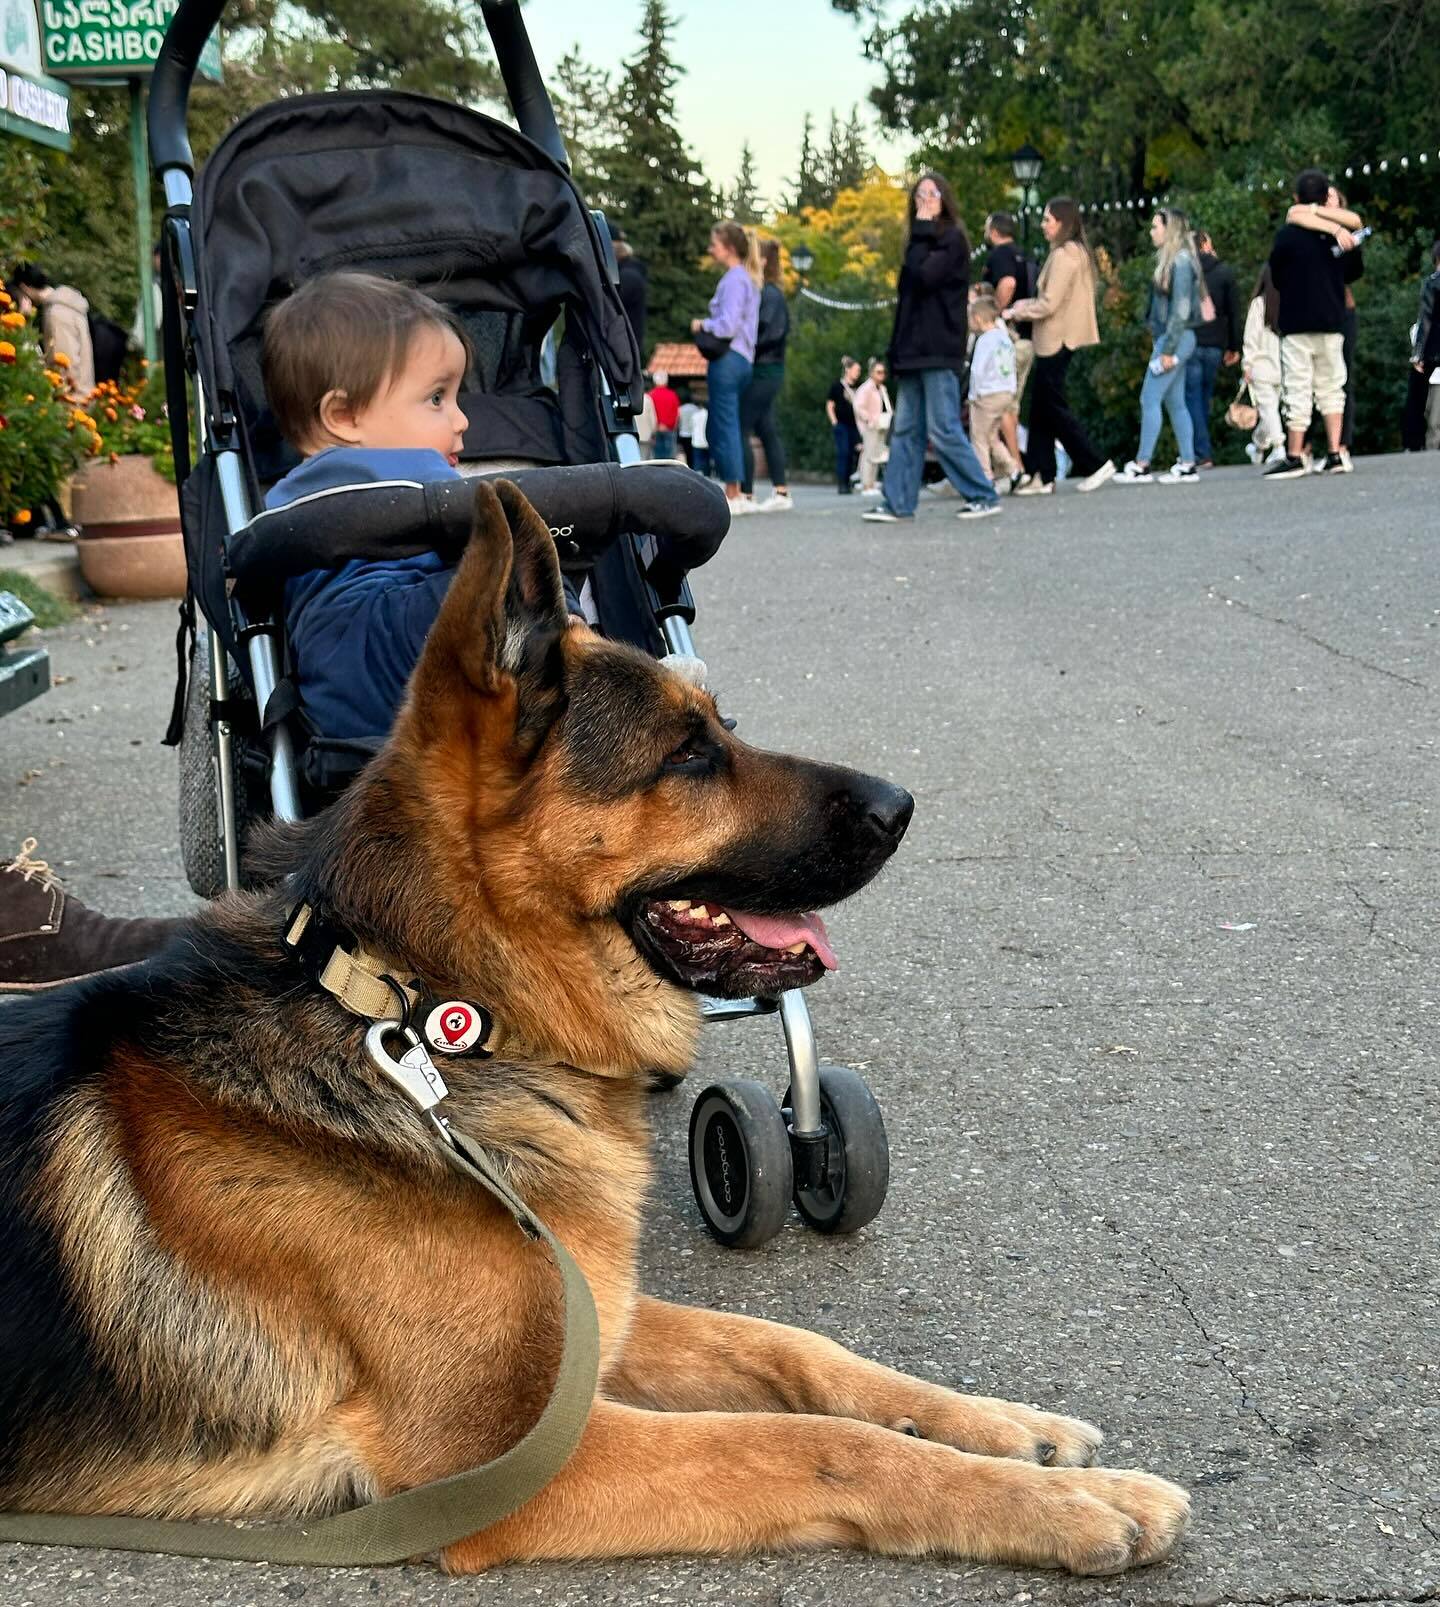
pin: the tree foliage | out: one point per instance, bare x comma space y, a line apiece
743, 201
653, 186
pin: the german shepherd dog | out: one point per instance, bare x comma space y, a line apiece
235, 1278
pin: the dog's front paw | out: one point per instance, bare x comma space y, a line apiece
1103, 1521
989, 1427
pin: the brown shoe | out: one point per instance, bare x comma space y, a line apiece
47, 937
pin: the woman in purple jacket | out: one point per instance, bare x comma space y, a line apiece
730, 348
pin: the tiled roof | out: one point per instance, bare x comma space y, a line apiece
677, 358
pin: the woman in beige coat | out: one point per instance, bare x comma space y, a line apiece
1062, 319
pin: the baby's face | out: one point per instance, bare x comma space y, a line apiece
420, 406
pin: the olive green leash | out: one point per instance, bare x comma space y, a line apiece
429, 1517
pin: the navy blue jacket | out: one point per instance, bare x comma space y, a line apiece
356, 632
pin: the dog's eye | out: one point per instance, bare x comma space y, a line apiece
686, 756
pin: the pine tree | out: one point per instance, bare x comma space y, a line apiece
654, 187
744, 203
809, 187
584, 100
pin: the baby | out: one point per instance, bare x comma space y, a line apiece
992, 387
363, 375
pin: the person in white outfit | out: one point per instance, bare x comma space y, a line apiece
873, 414
1261, 356
992, 388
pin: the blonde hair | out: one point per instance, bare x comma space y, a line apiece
984, 307
1178, 242
745, 243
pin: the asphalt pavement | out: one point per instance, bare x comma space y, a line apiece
1148, 997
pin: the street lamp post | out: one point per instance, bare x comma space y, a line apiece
1026, 164
802, 259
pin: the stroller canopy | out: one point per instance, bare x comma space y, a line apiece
466, 207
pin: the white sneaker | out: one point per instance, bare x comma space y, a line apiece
1346, 466
741, 505
1181, 474
942, 488
1277, 453
1036, 488
883, 516
776, 502
872, 491
1093, 482
1134, 474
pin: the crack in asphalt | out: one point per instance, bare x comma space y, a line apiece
1316, 641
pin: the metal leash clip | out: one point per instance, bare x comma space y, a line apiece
415, 1074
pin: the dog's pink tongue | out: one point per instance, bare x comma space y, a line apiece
781, 931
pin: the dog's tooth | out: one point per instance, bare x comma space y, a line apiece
722, 919
701, 912
679, 904
796, 948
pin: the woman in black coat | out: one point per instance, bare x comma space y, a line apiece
927, 358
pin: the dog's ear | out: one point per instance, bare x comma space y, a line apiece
499, 628
537, 595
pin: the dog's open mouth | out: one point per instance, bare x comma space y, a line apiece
730, 952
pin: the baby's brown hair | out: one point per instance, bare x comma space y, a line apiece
346, 332
984, 308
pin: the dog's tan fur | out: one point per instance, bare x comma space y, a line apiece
295, 1306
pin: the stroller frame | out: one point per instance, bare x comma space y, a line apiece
826, 1135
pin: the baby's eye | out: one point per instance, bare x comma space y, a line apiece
437, 399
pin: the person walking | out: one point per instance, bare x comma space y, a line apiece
840, 410
1172, 317
1010, 276
992, 389
1260, 352
667, 415
1311, 279
1424, 358
726, 338
1217, 342
757, 407
1061, 315
873, 414
700, 440
927, 357
634, 285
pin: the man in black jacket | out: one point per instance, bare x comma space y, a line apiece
634, 285
1311, 262
1217, 341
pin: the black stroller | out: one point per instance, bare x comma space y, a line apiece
487, 220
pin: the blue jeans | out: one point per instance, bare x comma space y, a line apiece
927, 406
1167, 388
1200, 374
846, 440
726, 379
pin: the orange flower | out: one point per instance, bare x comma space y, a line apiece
20, 517
61, 360
111, 414
29, 396
5, 300
12, 320
7, 352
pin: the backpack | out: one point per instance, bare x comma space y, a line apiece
108, 343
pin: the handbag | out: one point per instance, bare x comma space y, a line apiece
1241, 414
710, 345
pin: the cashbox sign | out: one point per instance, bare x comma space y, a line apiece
31, 104
112, 38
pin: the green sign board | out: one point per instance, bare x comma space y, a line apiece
31, 104
113, 38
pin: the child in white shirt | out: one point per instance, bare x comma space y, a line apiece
992, 387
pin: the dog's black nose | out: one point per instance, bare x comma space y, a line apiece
887, 810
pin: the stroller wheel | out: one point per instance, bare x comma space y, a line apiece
846, 1192
740, 1162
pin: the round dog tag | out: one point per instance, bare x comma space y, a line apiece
455, 1026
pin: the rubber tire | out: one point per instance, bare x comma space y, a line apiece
742, 1114
201, 848
859, 1155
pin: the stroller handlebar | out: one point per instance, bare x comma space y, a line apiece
195, 20
585, 506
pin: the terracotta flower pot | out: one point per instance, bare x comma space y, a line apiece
130, 542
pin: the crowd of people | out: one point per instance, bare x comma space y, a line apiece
1291, 344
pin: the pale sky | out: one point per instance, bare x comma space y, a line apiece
754, 68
